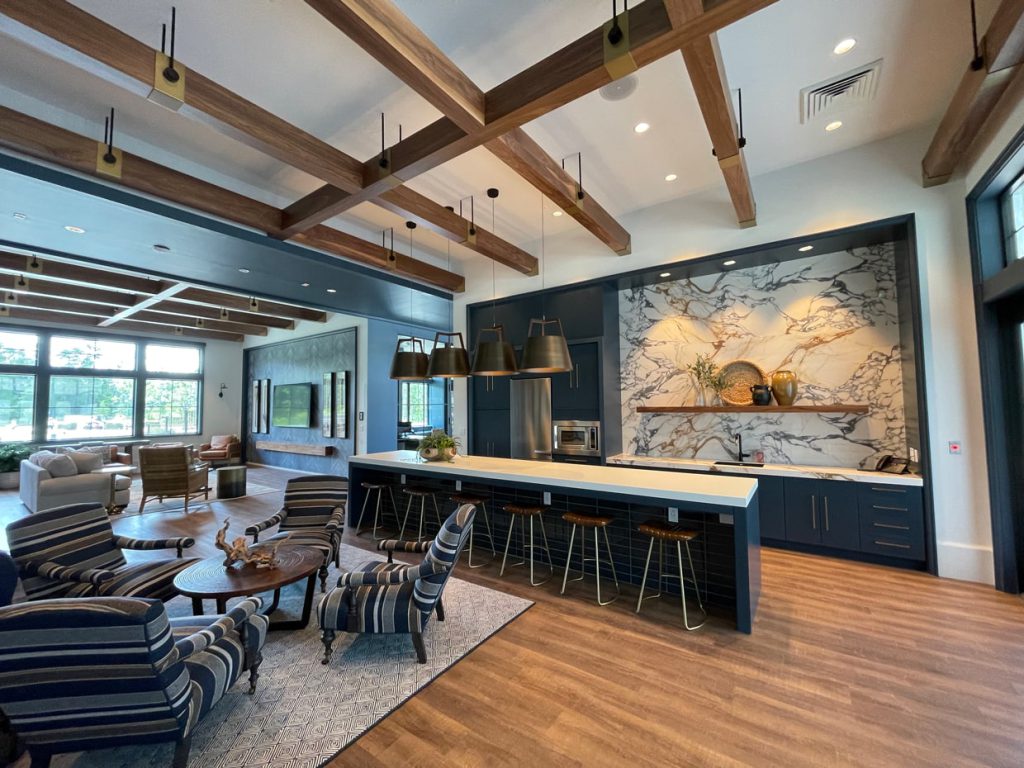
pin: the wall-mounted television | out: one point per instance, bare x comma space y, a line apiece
293, 405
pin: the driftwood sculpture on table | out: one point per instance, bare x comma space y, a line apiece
238, 550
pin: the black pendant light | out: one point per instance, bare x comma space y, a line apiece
449, 361
495, 357
410, 364
546, 352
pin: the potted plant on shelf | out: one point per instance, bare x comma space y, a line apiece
707, 376
11, 455
438, 446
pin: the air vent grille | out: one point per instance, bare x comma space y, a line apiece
839, 93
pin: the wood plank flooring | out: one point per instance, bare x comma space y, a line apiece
849, 665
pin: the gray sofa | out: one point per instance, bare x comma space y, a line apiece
51, 480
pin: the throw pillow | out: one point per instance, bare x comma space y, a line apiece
86, 461
57, 464
36, 457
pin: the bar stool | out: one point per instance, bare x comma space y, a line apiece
521, 512
416, 492
662, 531
480, 502
596, 522
370, 489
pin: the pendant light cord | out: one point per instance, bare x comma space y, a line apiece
494, 284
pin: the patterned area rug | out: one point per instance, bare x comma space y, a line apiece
170, 505
304, 713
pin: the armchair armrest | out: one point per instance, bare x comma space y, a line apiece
181, 542
255, 529
198, 641
397, 545
205, 446
378, 578
337, 520
94, 576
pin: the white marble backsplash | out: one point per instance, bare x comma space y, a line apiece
831, 319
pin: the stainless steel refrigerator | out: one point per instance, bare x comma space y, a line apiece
531, 419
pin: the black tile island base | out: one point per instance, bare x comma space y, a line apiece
723, 510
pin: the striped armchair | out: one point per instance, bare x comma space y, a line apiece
72, 551
313, 514
391, 598
92, 673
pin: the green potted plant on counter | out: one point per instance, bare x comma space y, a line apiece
11, 455
706, 376
438, 446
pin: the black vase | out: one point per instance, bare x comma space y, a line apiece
762, 394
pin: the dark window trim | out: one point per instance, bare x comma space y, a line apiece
44, 371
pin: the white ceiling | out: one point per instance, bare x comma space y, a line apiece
286, 58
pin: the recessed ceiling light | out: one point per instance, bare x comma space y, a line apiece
729, 263
332, 290
305, 285
243, 270
641, 128
835, 125
805, 248
671, 177
74, 230
161, 248
556, 213
665, 274
19, 216
844, 46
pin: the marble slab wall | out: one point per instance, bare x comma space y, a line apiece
832, 319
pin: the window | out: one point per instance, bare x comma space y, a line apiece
18, 348
163, 358
172, 406
90, 407
17, 406
80, 352
1013, 220
424, 404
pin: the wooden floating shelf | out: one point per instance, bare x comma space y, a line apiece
306, 450
752, 409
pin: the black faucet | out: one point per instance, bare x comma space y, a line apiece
740, 455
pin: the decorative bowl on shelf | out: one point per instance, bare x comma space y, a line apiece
739, 377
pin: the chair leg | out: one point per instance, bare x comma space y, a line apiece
408, 508
181, 750
568, 559
421, 650
142, 505
254, 672
643, 581
366, 499
508, 542
323, 576
439, 608
327, 637
40, 759
423, 513
682, 589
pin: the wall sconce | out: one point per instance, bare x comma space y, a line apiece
222, 388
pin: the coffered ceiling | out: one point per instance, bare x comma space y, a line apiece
286, 58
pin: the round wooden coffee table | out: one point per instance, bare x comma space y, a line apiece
210, 580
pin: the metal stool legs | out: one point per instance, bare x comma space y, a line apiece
531, 547
682, 581
423, 512
596, 559
376, 511
490, 537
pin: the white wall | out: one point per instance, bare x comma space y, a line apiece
865, 184
335, 322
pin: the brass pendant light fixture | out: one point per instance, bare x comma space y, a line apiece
546, 352
449, 361
495, 357
410, 364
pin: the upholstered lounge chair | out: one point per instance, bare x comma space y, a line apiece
313, 515
91, 673
168, 472
222, 449
72, 551
388, 598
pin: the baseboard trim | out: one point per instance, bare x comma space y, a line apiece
965, 562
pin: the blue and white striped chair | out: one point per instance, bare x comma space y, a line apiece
98, 672
394, 598
72, 551
313, 515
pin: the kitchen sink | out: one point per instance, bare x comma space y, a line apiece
738, 464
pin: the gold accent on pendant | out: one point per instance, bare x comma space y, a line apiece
164, 92
106, 168
618, 60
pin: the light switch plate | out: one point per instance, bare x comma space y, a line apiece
458, 485
401, 479
955, 447
673, 514
362, 415
547, 498
724, 518
914, 455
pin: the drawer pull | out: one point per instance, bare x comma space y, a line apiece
893, 527
891, 544
888, 490
890, 509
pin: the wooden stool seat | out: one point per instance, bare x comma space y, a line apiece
467, 498
659, 530
374, 486
587, 521
524, 510
419, 491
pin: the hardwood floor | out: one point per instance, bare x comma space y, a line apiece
849, 665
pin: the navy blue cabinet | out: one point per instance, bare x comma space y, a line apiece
578, 309
822, 512
772, 505
577, 394
491, 393
491, 434
892, 520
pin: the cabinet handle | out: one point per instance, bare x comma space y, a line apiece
826, 513
577, 366
889, 490
890, 544
893, 527
814, 512
890, 509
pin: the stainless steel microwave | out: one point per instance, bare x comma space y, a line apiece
576, 438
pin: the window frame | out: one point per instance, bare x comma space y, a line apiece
44, 371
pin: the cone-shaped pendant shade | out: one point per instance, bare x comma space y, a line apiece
448, 362
494, 358
546, 353
409, 365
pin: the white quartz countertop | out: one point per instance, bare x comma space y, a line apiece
777, 470
646, 483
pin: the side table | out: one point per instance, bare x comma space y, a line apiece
231, 481
113, 470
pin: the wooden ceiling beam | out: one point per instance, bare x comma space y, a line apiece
31, 301
204, 311
140, 326
68, 318
231, 301
59, 270
165, 318
977, 94
48, 142
37, 286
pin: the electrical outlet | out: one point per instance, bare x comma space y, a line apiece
725, 519
362, 416
458, 486
401, 479
914, 455
955, 447
673, 514
547, 498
